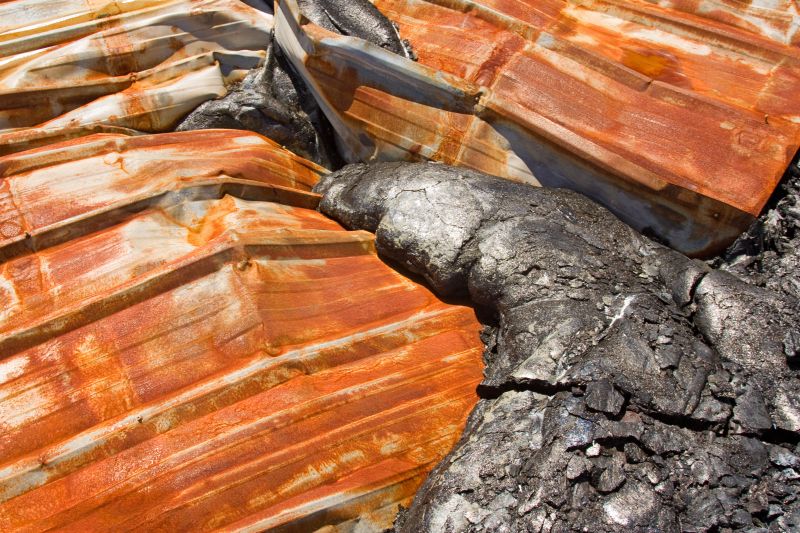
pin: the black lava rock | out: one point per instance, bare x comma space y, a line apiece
358, 18
273, 102
627, 387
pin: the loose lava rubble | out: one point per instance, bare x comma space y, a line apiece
627, 387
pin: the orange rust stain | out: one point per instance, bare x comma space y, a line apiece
141, 65
11, 221
691, 117
118, 52
440, 134
665, 131
213, 360
110, 172
649, 63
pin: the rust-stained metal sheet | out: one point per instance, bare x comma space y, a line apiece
186, 344
71, 66
680, 117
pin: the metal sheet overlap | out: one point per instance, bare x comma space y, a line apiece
186, 344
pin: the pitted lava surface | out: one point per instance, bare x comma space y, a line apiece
627, 387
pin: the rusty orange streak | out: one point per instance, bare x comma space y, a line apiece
212, 359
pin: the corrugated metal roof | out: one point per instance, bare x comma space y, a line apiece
680, 117
69, 66
185, 344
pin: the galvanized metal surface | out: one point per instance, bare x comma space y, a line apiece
680, 117
185, 344
140, 64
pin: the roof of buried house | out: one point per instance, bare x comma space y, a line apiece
680, 117
68, 67
186, 344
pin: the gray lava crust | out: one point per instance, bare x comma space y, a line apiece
768, 255
357, 18
627, 387
273, 102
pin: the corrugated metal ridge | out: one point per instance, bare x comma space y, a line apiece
778, 21
23, 18
566, 35
38, 26
24, 139
212, 359
627, 21
682, 129
142, 65
76, 187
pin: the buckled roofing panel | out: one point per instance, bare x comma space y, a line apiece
680, 117
185, 344
69, 67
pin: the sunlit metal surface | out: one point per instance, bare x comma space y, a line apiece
680, 117
185, 344
70, 66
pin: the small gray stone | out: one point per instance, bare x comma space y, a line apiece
782, 457
593, 450
774, 511
577, 467
631, 506
751, 411
611, 477
602, 396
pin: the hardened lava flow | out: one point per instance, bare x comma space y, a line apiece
350, 265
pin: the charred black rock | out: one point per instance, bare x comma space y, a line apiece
272, 102
627, 387
768, 254
358, 18
262, 5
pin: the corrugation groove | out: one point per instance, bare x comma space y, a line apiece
211, 358
74, 67
679, 117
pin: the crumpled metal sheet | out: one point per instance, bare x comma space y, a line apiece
679, 117
186, 344
69, 67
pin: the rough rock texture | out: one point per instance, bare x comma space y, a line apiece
358, 18
275, 104
627, 387
768, 255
